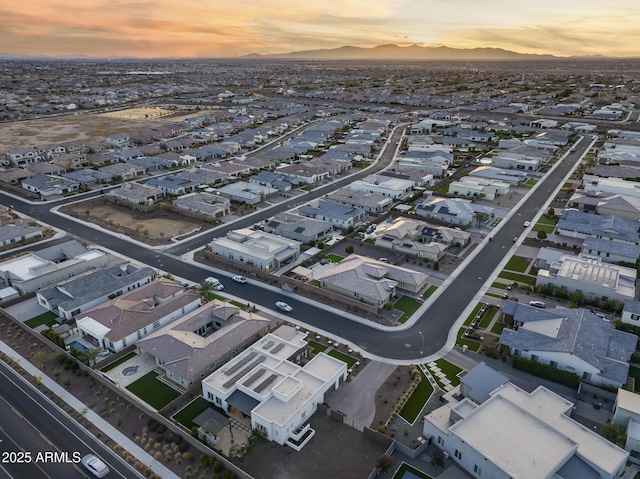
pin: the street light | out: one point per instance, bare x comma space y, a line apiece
422, 345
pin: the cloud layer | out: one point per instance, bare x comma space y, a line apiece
213, 28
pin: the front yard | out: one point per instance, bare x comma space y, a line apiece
408, 306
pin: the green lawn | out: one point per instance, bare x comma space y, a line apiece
153, 392
117, 363
484, 324
498, 327
334, 258
442, 188
413, 472
417, 400
350, 360
499, 285
315, 282
460, 341
493, 295
530, 183
316, 347
408, 306
451, 370
496, 222
634, 372
48, 318
520, 278
473, 314
213, 296
238, 304
307, 188
546, 224
430, 290
187, 414
517, 263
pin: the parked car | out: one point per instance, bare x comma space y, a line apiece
95, 465
527, 223
239, 279
282, 306
538, 304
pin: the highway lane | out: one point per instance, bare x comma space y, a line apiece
401, 345
30, 423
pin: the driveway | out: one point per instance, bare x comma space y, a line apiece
356, 398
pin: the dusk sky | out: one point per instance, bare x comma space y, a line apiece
216, 28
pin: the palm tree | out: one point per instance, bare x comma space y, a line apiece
205, 289
90, 356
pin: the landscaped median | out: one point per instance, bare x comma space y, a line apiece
417, 400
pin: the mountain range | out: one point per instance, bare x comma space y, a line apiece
411, 52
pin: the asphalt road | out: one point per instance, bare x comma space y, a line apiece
404, 345
31, 425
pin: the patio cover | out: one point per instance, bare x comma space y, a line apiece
93, 327
211, 421
242, 402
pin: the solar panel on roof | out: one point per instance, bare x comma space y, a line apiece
267, 345
239, 364
265, 383
277, 348
299, 229
244, 371
253, 377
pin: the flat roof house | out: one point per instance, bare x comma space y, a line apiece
258, 249
574, 340
590, 275
124, 320
200, 342
33, 271
265, 383
85, 292
524, 435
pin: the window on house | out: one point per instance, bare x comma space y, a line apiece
586, 376
156, 324
477, 469
553, 364
458, 455
534, 357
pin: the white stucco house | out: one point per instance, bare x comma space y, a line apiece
265, 383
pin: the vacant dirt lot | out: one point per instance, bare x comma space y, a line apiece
153, 228
141, 113
69, 128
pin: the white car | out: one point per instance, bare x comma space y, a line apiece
527, 223
215, 283
239, 279
282, 306
94, 465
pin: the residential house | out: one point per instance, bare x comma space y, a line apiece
14, 176
45, 169
202, 341
50, 185
85, 292
591, 276
17, 232
258, 249
173, 185
370, 281
626, 415
267, 384
213, 206
248, 193
128, 154
88, 177
611, 251
71, 161
369, 202
202, 176
336, 214
577, 224
119, 140
299, 228
454, 211
382, 185
631, 312
417, 238
574, 340
101, 159
301, 173
33, 271
271, 179
24, 156
610, 186
137, 193
124, 171
525, 435
475, 187
512, 177
124, 320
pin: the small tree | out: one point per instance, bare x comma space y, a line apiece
89, 356
542, 235
384, 462
349, 249
204, 289
551, 212
613, 433
437, 459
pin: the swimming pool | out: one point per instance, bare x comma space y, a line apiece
77, 345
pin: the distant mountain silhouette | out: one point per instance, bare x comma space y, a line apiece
395, 52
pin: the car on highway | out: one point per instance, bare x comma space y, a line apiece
239, 279
215, 283
95, 465
282, 306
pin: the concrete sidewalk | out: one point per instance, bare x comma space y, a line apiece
106, 428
